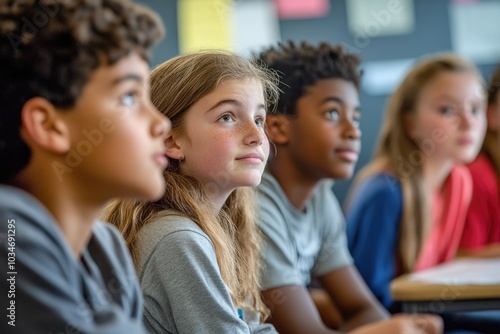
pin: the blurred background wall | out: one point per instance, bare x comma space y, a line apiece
388, 34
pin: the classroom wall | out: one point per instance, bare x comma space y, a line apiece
431, 34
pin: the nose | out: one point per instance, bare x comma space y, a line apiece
254, 135
351, 130
466, 119
160, 125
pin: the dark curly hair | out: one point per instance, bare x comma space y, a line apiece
49, 48
301, 66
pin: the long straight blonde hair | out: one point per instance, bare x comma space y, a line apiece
400, 155
175, 86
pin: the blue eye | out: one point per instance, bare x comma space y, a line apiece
476, 110
260, 122
447, 111
129, 99
226, 118
356, 122
332, 115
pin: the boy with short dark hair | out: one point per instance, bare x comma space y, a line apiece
317, 137
77, 128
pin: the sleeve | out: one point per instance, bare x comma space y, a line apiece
372, 231
183, 289
44, 294
334, 253
278, 256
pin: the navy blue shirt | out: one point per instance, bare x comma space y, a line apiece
372, 224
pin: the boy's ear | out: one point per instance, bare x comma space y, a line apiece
278, 129
172, 149
42, 126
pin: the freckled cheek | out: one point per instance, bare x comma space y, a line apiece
216, 151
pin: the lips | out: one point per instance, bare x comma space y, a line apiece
347, 154
161, 160
251, 158
466, 141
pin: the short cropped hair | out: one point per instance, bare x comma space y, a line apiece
301, 66
49, 49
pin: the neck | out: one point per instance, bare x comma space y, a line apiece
73, 211
435, 172
218, 197
297, 185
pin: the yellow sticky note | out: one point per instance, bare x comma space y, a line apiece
205, 24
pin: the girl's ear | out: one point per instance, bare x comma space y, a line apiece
278, 129
42, 126
409, 125
172, 149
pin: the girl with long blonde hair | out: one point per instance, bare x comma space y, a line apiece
481, 237
196, 250
408, 206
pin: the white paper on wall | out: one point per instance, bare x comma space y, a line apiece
475, 30
382, 77
374, 18
256, 26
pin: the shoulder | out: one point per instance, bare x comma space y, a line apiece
175, 237
112, 244
272, 201
325, 206
379, 188
269, 192
17, 204
34, 226
378, 199
107, 234
172, 226
324, 195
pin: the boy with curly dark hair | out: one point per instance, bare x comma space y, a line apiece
77, 128
317, 137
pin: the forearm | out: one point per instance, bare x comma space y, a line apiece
370, 314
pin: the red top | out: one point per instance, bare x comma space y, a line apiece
449, 209
483, 219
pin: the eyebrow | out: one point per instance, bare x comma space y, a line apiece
337, 100
129, 76
454, 98
233, 103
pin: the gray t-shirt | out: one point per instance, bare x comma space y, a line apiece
53, 292
181, 282
300, 245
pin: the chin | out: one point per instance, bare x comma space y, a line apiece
468, 157
250, 181
341, 174
155, 191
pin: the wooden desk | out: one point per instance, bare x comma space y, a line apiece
418, 296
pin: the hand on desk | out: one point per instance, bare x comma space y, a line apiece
405, 324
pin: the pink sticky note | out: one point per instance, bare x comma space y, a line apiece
301, 9
464, 2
